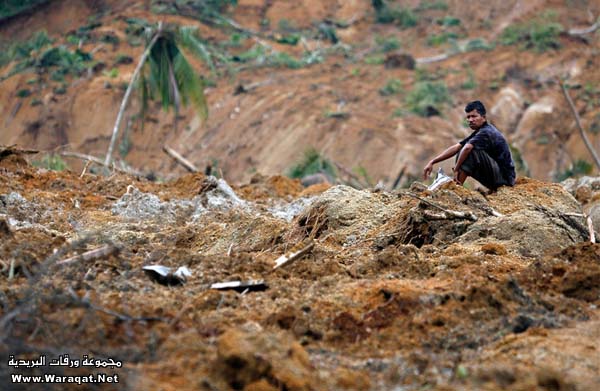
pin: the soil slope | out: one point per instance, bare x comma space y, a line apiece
351, 106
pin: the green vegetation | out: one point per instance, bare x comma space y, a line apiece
24, 93
540, 34
448, 21
542, 139
51, 162
59, 61
578, 168
208, 10
113, 73
427, 96
376, 59
595, 126
23, 50
442, 38
387, 44
439, 5
10, 8
520, 164
312, 163
166, 75
470, 83
328, 32
402, 17
478, 44
123, 59
392, 87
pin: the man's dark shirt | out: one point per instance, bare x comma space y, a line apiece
490, 140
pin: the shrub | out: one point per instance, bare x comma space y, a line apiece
402, 17
540, 34
374, 60
388, 44
123, 59
24, 93
23, 50
392, 87
290, 39
440, 39
206, 9
440, 5
10, 8
478, 44
113, 73
312, 163
520, 164
579, 167
426, 97
470, 83
448, 21
51, 162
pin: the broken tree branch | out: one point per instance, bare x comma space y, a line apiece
585, 30
460, 215
399, 177
96, 160
288, 259
180, 159
586, 141
590, 225
101, 252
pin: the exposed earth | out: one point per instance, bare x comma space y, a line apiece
351, 104
394, 289
402, 290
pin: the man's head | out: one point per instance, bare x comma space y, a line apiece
475, 114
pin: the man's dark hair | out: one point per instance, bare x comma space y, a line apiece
475, 105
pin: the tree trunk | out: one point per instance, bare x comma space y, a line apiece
586, 141
125, 101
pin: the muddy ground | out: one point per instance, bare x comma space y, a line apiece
403, 290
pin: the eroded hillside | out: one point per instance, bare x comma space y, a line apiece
378, 99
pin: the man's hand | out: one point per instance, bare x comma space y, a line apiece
427, 170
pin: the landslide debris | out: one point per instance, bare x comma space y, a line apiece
409, 289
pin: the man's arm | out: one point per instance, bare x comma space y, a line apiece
462, 157
448, 153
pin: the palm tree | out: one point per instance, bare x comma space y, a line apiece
163, 72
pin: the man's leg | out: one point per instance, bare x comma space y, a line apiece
461, 177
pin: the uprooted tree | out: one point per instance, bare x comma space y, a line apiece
164, 72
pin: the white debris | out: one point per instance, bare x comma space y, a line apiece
440, 179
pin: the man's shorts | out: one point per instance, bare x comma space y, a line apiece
481, 167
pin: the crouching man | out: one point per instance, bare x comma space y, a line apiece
484, 155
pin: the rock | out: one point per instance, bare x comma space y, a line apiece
583, 194
399, 60
531, 233
247, 358
507, 109
313, 179
534, 133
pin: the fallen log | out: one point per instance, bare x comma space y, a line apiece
454, 213
287, 259
180, 159
100, 162
101, 252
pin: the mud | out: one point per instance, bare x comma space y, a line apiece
403, 290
